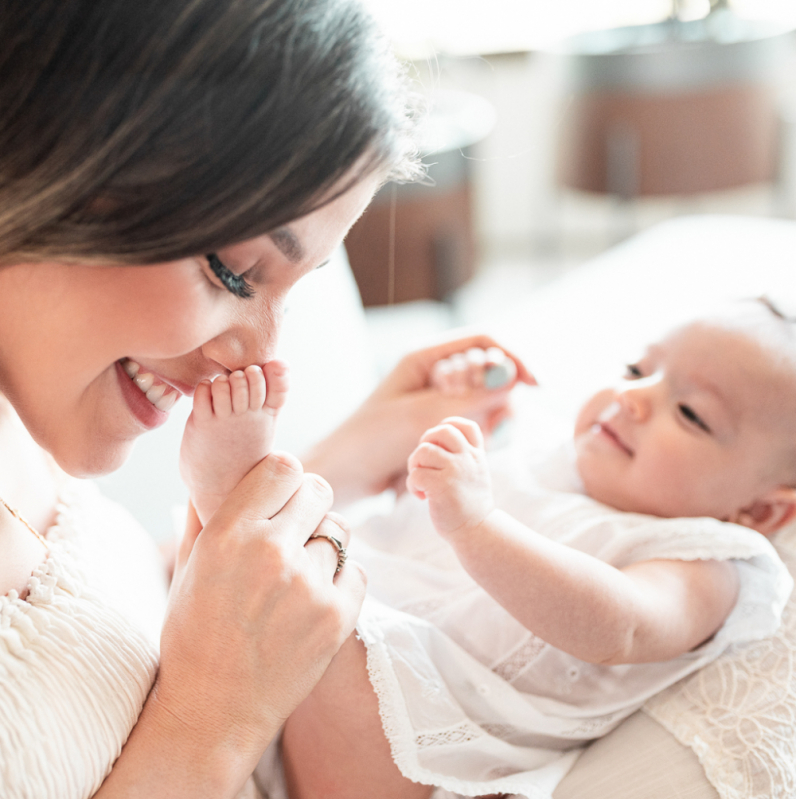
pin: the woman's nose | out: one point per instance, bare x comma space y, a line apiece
251, 339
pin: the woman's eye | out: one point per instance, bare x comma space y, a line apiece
234, 283
688, 412
632, 372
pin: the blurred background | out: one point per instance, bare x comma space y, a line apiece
556, 130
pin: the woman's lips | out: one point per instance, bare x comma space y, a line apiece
158, 392
606, 431
149, 398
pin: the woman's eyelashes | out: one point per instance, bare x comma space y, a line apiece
234, 283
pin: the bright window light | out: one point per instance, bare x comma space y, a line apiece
421, 28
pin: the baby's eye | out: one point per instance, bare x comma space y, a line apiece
633, 372
688, 412
234, 283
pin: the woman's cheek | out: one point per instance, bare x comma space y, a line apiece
184, 327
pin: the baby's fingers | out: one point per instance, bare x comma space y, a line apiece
468, 429
454, 434
428, 455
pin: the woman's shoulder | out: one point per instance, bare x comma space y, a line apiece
21, 553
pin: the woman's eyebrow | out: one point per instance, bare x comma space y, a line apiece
288, 244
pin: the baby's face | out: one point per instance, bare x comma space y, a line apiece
702, 425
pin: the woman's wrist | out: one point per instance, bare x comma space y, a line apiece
171, 755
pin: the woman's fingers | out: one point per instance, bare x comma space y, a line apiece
414, 370
351, 583
320, 547
264, 491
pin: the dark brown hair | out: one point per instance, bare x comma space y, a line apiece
146, 131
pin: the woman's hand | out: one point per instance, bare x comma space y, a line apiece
368, 452
255, 615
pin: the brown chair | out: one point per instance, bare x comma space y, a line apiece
416, 241
672, 108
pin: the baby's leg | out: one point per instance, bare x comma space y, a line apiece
333, 745
230, 429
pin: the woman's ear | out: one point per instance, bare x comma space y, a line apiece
770, 512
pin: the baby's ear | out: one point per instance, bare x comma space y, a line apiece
770, 512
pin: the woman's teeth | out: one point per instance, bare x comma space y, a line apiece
159, 394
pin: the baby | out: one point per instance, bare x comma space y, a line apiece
508, 623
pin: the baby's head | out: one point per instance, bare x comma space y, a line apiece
703, 425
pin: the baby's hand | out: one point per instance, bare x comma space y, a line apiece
474, 369
449, 469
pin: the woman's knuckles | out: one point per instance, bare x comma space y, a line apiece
319, 487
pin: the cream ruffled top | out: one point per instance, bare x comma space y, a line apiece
76, 664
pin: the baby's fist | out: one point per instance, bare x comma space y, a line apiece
449, 469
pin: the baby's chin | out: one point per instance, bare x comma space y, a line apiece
600, 488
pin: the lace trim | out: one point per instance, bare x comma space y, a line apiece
404, 742
461, 733
739, 713
598, 726
517, 661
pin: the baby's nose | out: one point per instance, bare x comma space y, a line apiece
635, 401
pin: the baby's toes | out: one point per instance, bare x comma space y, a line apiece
256, 383
277, 381
202, 402
222, 397
239, 392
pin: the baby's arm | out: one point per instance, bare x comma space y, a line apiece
649, 611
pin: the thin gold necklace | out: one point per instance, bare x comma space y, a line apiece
17, 515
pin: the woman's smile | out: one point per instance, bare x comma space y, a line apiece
114, 347
148, 398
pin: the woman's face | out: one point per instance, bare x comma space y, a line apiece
68, 331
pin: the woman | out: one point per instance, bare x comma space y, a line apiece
168, 170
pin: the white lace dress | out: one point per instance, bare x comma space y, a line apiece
473, 702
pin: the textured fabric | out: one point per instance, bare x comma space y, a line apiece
739, 713
473, 702
74, 675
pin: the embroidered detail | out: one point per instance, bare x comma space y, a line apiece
512, 666
599, 725
506, 732
461, 733
739, 713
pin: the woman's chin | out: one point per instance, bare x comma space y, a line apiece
87, 462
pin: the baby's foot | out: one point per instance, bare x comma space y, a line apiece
230, 429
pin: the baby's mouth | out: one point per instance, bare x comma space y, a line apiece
607, 430
161, 395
